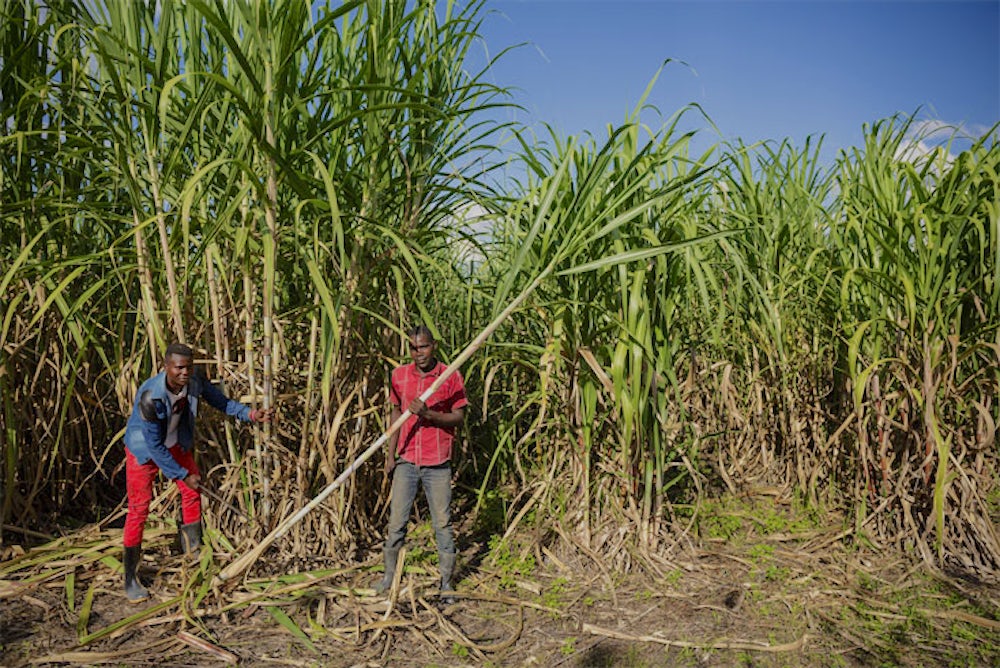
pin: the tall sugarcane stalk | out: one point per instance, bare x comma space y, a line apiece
744, 354
173, 296
221, 340
270, 243
562, 244
248, 353
249, 558
154, 331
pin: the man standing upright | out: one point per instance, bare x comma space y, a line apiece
420, 453
159, 437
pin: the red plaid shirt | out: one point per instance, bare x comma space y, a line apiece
421, 442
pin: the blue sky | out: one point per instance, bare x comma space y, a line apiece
761, 70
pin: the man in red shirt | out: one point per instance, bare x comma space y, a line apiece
420, 453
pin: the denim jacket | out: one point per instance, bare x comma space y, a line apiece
146, 430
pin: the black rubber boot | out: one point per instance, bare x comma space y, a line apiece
191, 538
134, 591
391, 556
446, 565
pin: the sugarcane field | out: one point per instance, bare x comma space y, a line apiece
312, 355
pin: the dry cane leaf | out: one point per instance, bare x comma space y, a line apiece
9, 588
724, 644
205, 646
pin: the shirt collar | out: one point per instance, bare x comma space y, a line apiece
436, 371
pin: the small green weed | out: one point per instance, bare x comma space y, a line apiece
832, 661
509, 564
992, 501
761, 556
961, 631
721, 526
773, 522
774, 573
866, 582
687, 657
420, 555
553, 595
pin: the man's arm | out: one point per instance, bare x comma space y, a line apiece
216, 399
452, 418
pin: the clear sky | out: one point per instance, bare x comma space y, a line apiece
760, 69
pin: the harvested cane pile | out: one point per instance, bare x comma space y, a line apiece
773, 592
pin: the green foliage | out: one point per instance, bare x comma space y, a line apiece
419, 554
421, 548
992, 499
866, 582
687, 657
510, 565
898, 616
761, 552
960, 631
215, 172
491, 512
720, 525
832, 661
288, 185
552, 597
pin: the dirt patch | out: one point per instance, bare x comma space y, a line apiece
746, 600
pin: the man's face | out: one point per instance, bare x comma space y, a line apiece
178, 369
422, 351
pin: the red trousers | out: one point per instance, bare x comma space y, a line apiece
139, 484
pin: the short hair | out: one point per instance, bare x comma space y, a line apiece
420, 330
178, 349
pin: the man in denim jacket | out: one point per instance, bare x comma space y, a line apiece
159, 437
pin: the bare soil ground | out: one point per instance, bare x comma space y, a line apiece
753, 597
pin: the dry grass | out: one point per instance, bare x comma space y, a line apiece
804, 593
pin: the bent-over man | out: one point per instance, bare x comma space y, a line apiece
159, 437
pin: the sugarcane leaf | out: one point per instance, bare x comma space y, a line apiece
282, 618
84, 618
